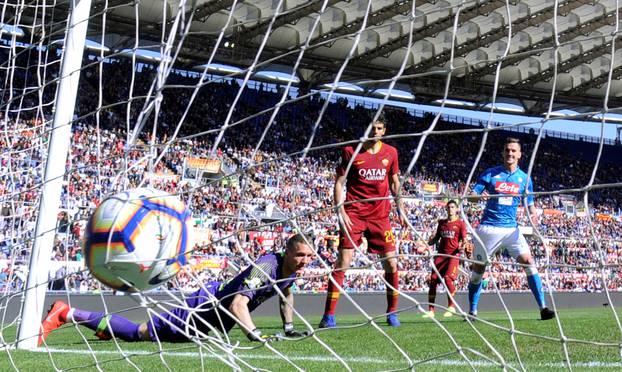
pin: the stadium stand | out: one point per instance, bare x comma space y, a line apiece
289, 188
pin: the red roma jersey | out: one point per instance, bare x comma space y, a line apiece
450, 234
369, 178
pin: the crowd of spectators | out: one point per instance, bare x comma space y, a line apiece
273, 173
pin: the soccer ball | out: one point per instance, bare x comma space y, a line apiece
137, 239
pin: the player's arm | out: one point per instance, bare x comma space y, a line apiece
256, 279
423, 246
239, 309
286, 306
533, 213
287, 314
436, 237
394, 185
531, 202
480, 188
340, 182
462, 239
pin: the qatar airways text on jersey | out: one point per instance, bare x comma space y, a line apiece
373, 174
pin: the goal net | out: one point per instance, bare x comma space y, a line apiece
242, 109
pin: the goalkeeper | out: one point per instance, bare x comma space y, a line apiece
239, 296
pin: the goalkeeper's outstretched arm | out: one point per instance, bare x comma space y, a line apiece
239, 309
287, 315
286, 304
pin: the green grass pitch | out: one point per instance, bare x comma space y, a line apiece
360, 345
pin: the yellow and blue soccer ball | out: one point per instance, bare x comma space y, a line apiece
138, 239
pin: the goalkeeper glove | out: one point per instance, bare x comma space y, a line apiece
291, 332
257, 336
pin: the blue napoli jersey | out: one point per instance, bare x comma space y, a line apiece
501, 211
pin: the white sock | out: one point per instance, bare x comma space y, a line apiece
70, 315
530, 270
476, 277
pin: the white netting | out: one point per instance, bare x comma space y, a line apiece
255, 159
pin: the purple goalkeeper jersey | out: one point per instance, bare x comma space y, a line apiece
254, 282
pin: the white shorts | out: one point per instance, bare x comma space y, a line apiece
495, 238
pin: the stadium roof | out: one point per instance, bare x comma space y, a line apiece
584, 30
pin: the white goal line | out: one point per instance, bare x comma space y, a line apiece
325, 359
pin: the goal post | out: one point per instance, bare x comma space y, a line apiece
60, 136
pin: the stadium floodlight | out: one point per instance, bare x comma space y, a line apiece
457, 103
217, 67
11, 30
609, 118
277, 76
88, 44
395, 93
145, 54
506, 107
344, 86
561, 113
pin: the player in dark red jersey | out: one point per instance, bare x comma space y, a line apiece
373, 173
450, 236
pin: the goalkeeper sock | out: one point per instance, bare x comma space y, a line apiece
535, 284
392, 295
332, 293
474, 292
103, 324
451, 290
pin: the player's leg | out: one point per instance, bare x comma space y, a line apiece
519, 249
391, 276
60, 313
381, 240
55, 318
344, 259
450, 275
434, 282
107, 325
347, 241
486, 242
475, 286
337, 276
335, 284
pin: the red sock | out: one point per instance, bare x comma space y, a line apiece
451, 288
332, 293
432, 294
392, 295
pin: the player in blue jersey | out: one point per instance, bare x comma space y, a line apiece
236, 299
498, 228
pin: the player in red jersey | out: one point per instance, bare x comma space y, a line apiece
450, 235
372, 174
